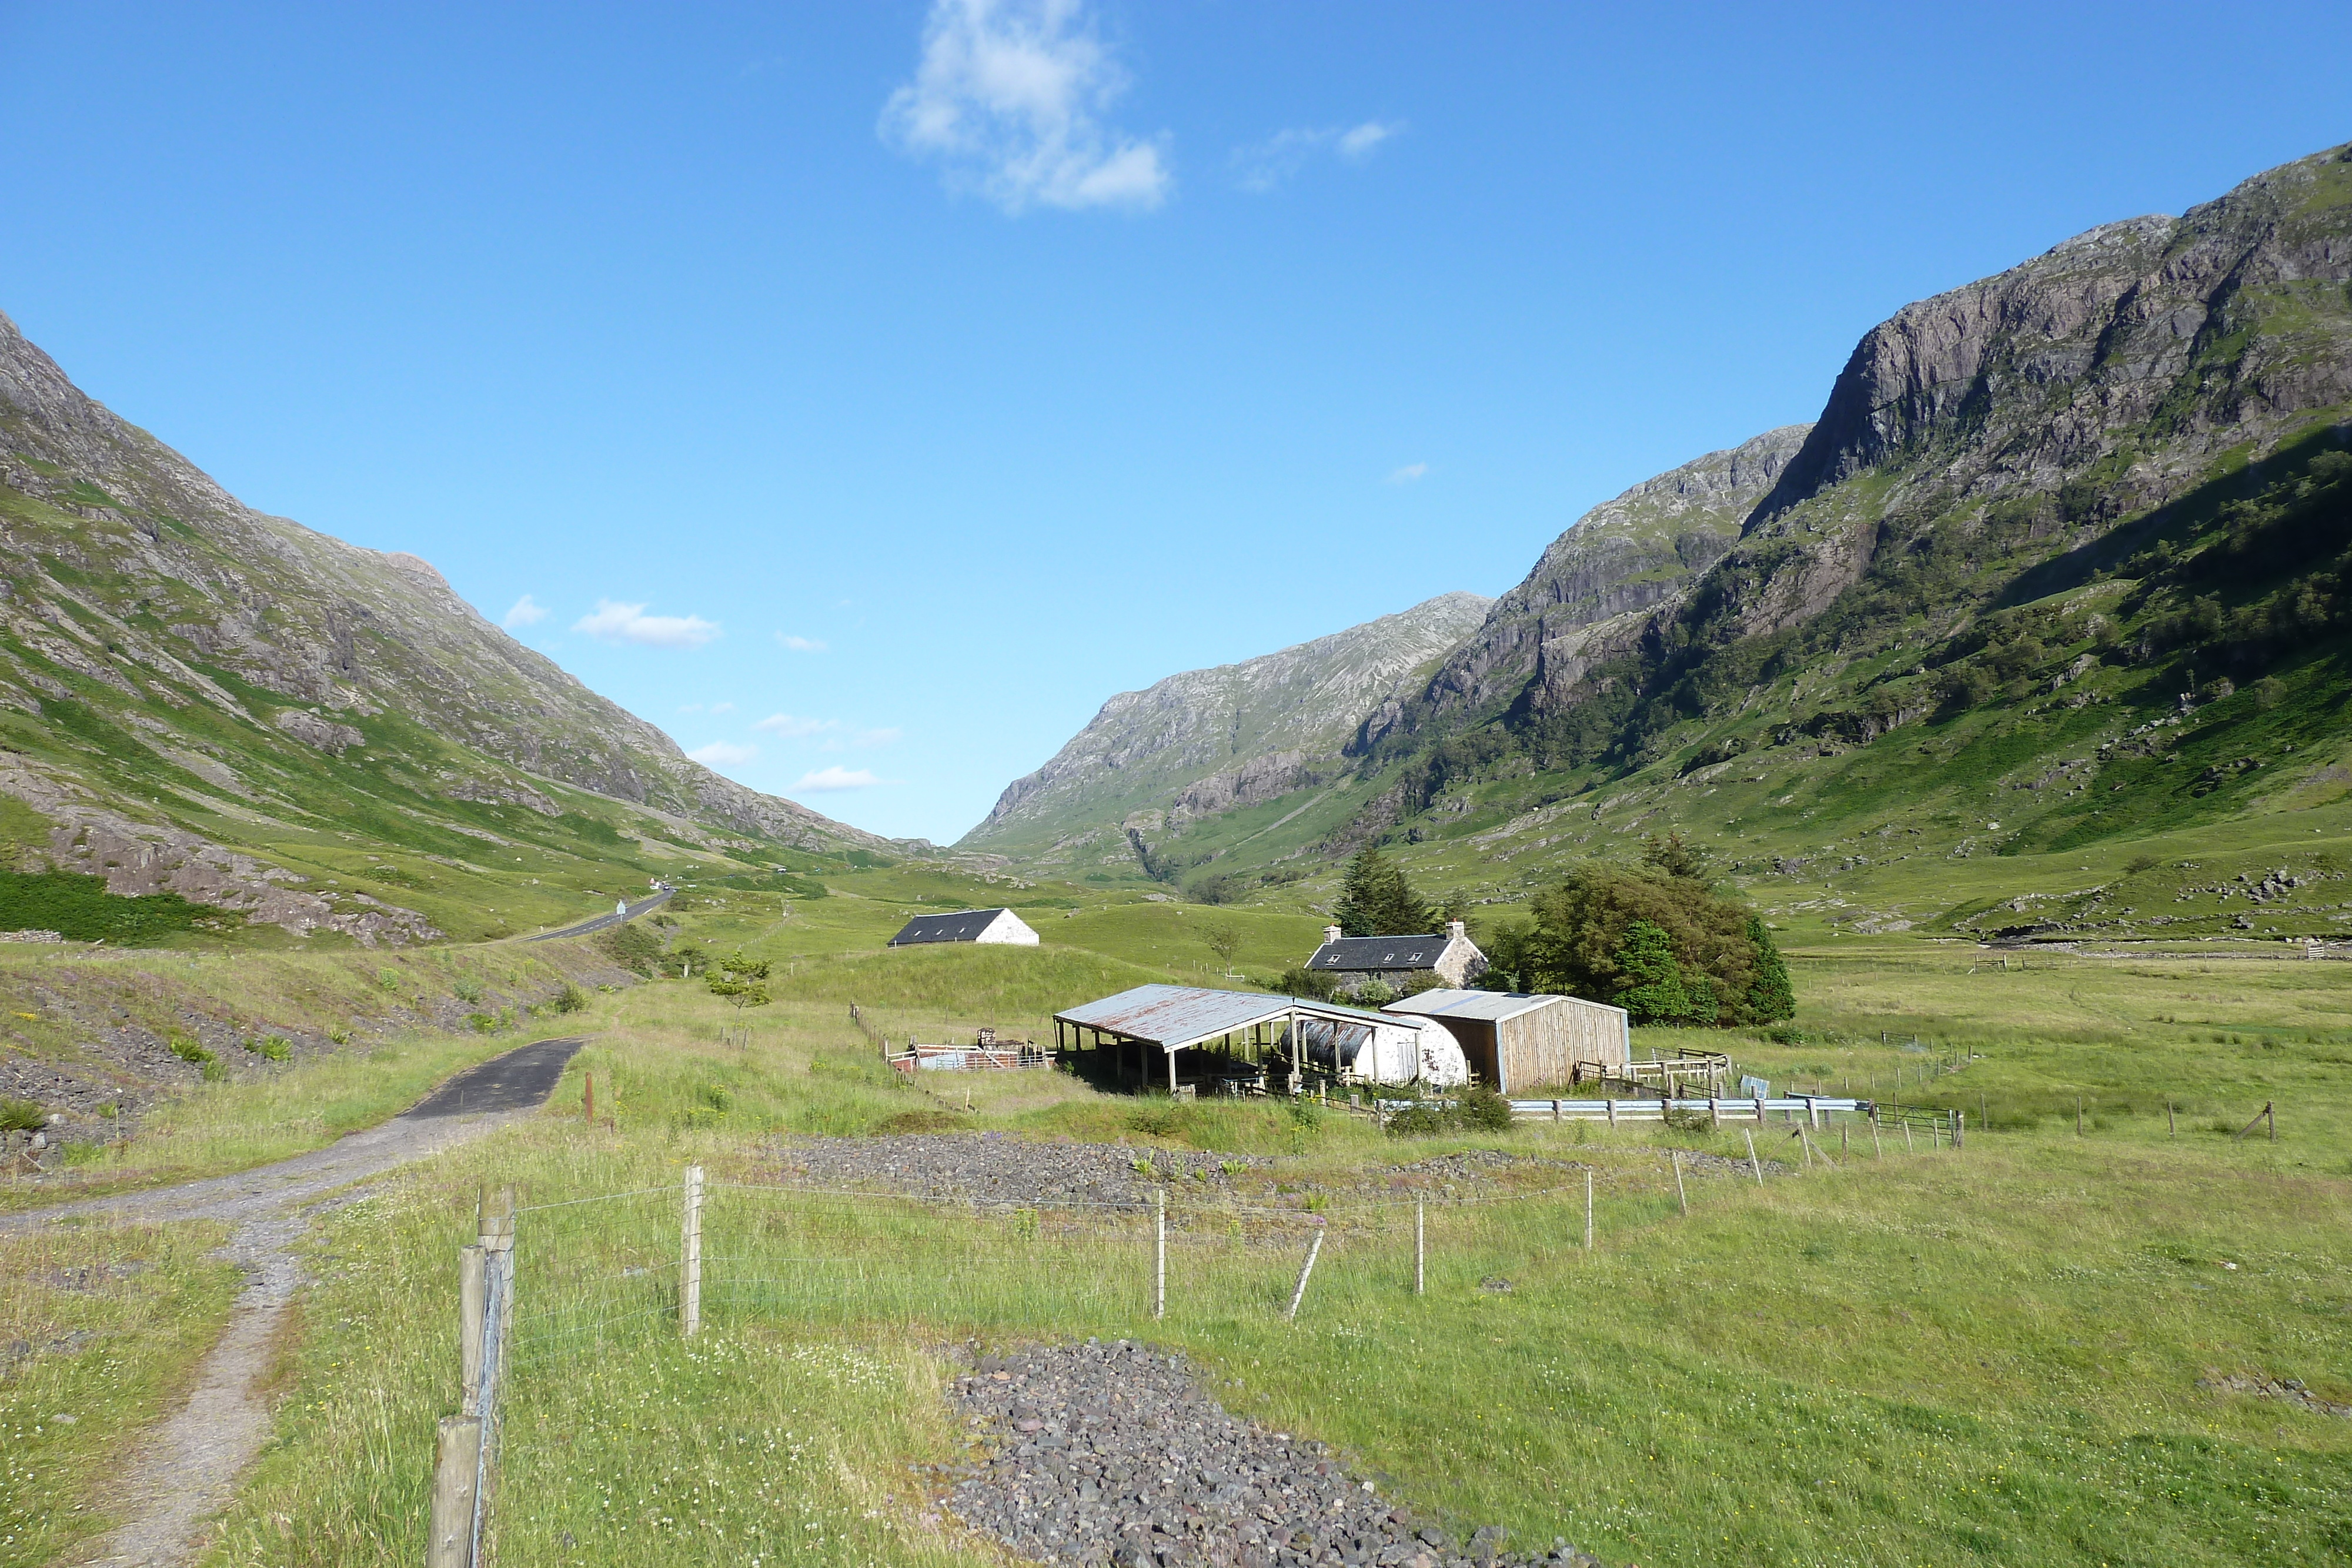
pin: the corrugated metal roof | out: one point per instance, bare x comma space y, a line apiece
965, 925
1353, 952
1176, 1016
1488, 1006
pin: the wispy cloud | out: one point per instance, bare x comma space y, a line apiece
1264, 165
527, 612
800, 644
723, 754
837, 778
708, 707
613, 622
1009, 95
792, 728
875, 737
1407, 475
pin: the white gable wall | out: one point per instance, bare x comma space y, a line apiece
1008, 927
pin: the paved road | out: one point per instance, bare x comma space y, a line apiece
188, 1467
602, 921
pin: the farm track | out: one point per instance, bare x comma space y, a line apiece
187, 1467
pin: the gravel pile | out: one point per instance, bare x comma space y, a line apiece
1000, 1169
1113, 1454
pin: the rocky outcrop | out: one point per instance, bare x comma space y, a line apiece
1208, 741
1627, 555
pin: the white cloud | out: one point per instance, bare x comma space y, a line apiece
793, 728
1268, 164
723, 754
526, 612
875, 737
1407, 473
800, 644
613, 622
1008, 95
722, 708
837, 778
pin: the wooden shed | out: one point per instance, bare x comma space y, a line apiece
1516, 1042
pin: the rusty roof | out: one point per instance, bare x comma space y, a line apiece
1173, 1017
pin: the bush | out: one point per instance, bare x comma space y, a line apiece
337, 1034
186, 1048
482, 1023
718, 1097
633, 947
212, 1071
467, 990
22, 1116
1301, 981
1484, 1110
389, 979
272, 1048
571, 999
1419, 1121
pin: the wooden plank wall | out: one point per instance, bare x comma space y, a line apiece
1543, 1047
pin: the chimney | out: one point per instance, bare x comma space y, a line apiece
1457, 931
1331, 934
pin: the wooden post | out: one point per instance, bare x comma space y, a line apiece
1959, 1128
1713, 1114
1753, 1163
1843, 1131
1555, 1110
1420, 1247
456, 1458
1613, 1114
2270, 1114
1588, 1207
2078, 1115
471, 1288
1159, 1252
1759, 1110
1680, 1196
1877, 1152
1906, 1136
1306, 1269
588, 1102
689, 1292
2172, 1128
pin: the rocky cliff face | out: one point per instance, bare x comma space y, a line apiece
229, 653
1623, 557
1209, 741
2098, 379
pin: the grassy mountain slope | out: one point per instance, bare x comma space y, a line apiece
2057, 586
1203, 744
319, 738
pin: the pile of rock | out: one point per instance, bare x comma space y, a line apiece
999, 1169
1114, 1453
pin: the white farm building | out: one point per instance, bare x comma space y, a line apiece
966, 925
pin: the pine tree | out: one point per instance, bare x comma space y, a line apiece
1771, 997
1375, 900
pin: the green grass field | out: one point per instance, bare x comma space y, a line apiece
1999, 1356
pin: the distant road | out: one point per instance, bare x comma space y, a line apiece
602, 921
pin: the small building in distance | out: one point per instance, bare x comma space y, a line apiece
1516, 1042
966, 925
1400, 963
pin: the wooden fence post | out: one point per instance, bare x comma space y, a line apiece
1305, 1270
1420, 1247
1613, 1114
454, 1457
471, 1277
2171, 1126
1159, 1252
2078, 1115
588, 1101
1715, 1113
1876, 1150
1588, 1211
1680, 1196
2270, 1114
1906, 1136
1753, 1163
1959, 1127
689, 1294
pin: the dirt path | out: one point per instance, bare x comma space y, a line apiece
187, 1467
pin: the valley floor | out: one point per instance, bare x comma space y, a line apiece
2124, 1344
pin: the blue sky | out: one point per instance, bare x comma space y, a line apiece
868, 391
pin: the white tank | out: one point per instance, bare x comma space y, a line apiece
1396, 1051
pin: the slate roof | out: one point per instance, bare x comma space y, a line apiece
1374, 953
964, 925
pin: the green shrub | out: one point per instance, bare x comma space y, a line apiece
21, 1116
482, 1023
1484, 1109
571, 999
466, 991
272, 1048
214, 1073
633, 947
718, 1097
388, 978
187, 1049
1419, 1121
337, 1034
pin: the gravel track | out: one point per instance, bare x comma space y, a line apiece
1115, 1454
999, 1169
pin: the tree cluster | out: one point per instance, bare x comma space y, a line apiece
1656, 940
